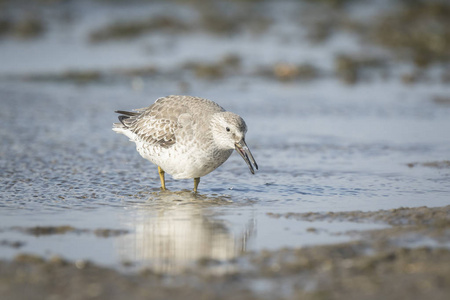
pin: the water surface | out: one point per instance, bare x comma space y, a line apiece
321, 146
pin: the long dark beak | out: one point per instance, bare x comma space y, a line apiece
242, 149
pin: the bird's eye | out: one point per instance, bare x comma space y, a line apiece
228, 129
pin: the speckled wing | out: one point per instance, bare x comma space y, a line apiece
159, 123
156, 124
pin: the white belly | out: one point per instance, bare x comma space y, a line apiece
184, 162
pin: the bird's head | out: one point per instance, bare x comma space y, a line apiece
229, 131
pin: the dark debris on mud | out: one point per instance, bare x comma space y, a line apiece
418, 216
444, 164
64, 229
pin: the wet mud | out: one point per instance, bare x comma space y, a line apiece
445, 164
375, 266
52, 230
25, 28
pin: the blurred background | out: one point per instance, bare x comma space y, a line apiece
293, 41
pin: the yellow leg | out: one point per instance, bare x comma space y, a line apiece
196, 182
161, 176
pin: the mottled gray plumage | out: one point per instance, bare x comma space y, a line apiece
187, 137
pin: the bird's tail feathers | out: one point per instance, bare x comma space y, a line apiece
124, 116
127, 113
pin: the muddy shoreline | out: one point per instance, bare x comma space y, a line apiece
379, 264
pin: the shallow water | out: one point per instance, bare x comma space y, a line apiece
321, 146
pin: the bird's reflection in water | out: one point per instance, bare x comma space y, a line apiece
173, 230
